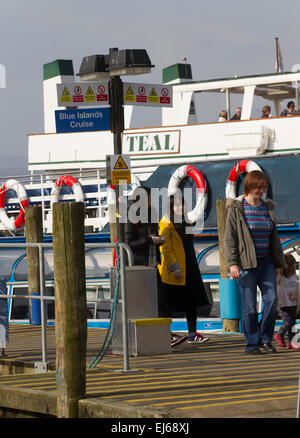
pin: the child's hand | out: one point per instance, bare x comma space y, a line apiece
292, 295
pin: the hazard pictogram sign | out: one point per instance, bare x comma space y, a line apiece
147, 94
83, 93
129, 96
120, 163
65, 96
120, 169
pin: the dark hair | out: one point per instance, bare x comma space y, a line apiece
291, 266
255, 179
290, 103
179, 226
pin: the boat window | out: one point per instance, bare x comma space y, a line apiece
19, 306
210, 263
97, 263
98, 309
7, 259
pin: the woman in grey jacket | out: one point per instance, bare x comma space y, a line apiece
252, 243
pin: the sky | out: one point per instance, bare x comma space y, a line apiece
219, 39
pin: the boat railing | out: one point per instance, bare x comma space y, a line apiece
44, 298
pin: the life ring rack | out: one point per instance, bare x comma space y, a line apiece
202, 192
243, 166
69, 181
13, 224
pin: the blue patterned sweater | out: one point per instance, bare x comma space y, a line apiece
260, 227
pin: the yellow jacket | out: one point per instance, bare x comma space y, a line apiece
172, 254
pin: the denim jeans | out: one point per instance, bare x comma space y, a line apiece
264, 276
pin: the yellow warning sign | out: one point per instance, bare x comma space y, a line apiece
89, 95
129, 96
121, 176
153, 97
120, 163
65, 97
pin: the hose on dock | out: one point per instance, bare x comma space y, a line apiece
112, 322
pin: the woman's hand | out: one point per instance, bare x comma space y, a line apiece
158, 240
177, 274
234, 271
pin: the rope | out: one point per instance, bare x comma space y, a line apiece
107, 342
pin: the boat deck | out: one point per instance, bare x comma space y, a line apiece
211, 380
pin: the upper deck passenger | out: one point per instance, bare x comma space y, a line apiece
238, 113
266, 111
290, 109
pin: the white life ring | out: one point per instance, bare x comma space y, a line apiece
111, 195
198, 177
243, 166
295, 341
67, 180
13, 224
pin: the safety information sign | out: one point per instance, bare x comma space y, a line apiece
120, 169
147, 94
83, 94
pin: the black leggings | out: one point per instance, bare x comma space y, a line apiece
288, 315
165, 312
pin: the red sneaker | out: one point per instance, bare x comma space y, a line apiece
280, 340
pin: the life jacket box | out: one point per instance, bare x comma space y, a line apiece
151, 336
247, 140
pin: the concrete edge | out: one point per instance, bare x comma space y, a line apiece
97, 408
27, 400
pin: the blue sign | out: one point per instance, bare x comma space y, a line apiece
79, 120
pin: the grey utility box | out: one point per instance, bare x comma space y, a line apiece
147, 334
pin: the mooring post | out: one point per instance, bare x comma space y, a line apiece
229, 324
70, 306
34, 234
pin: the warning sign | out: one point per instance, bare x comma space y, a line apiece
102, 95
120, 169
82, 93
120, 164
89, 95
141, 97
129, 95
65, 96
147, 94
153, 97
164, 96
78, 96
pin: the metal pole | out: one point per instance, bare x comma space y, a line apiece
228, 103
42, 293
298, 402
124, 313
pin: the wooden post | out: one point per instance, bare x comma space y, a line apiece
34, 233
70, 306
229, 325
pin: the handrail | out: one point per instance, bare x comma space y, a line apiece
42, 297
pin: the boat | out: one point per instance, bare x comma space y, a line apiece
218, 152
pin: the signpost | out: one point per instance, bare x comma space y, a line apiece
115, 94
